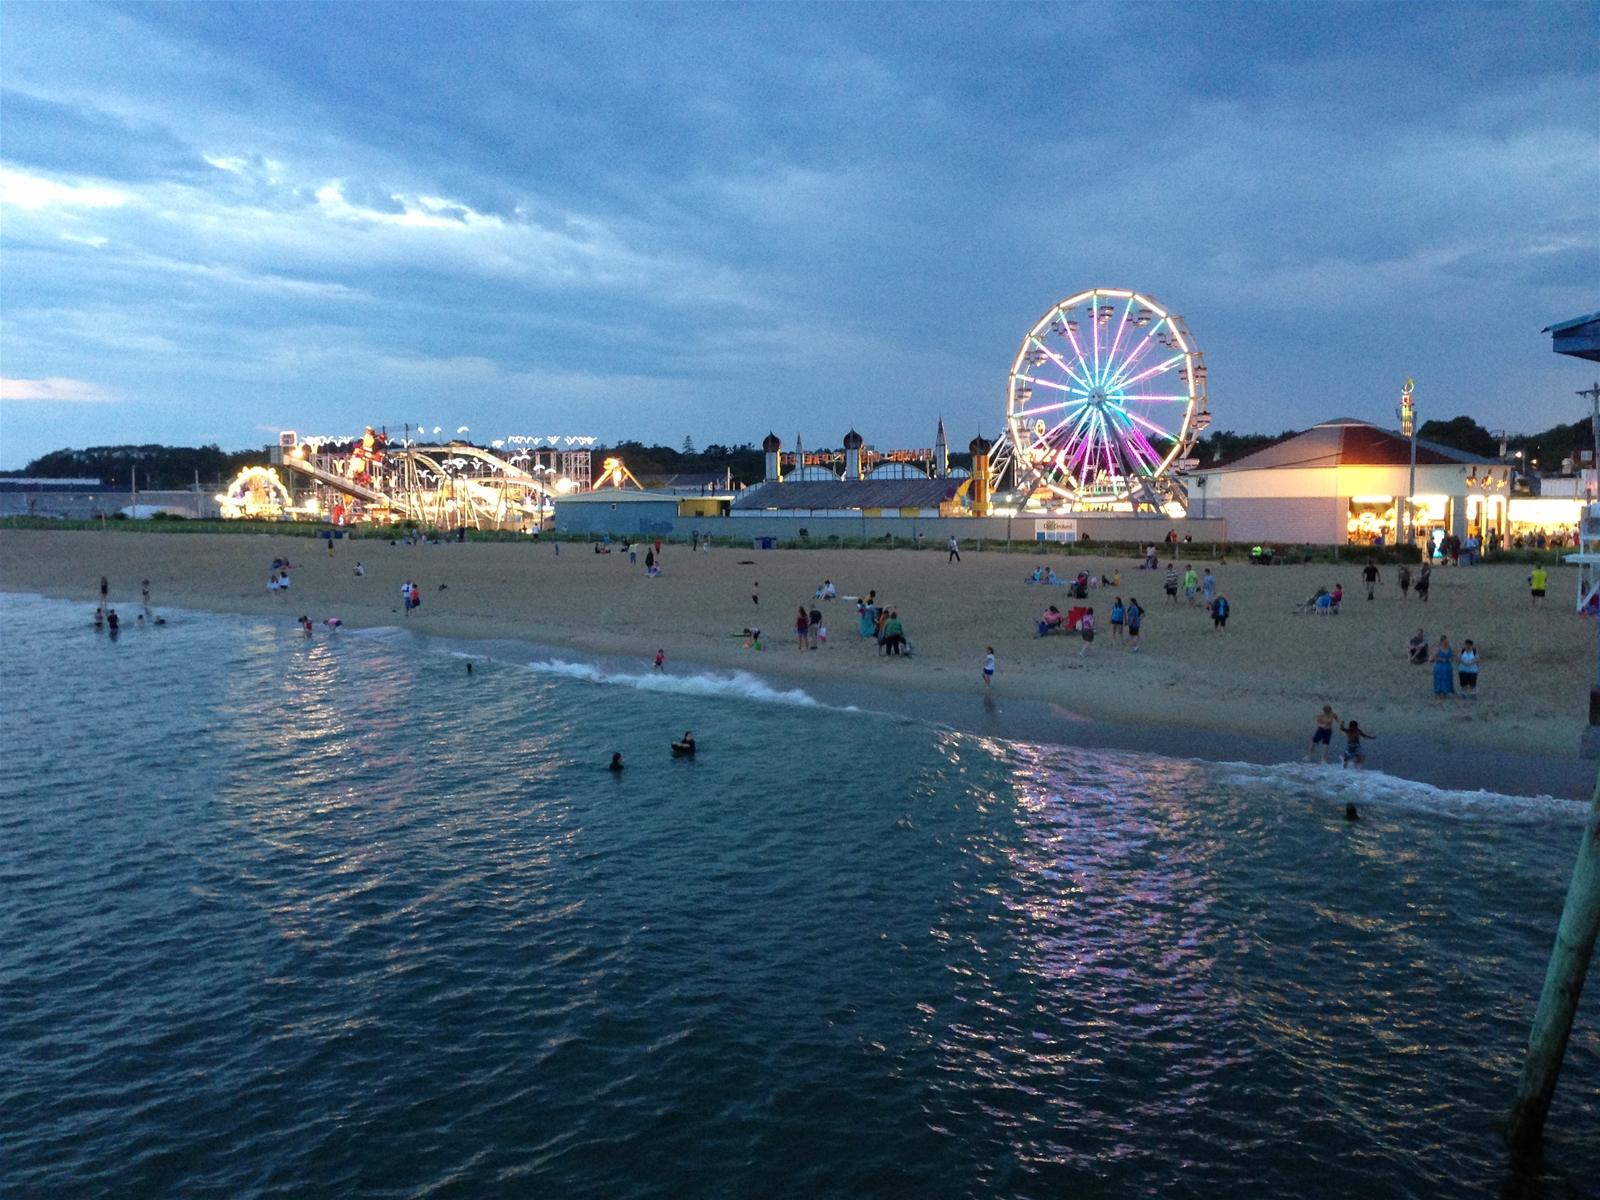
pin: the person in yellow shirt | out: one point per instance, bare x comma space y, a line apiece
1537, 582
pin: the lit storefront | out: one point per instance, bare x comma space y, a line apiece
1346, 482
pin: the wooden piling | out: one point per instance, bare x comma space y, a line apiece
1563, 985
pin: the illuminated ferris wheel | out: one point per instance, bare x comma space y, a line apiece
1106, 398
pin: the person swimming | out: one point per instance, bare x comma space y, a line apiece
616, 764
684, 747
1350, 813
469, 668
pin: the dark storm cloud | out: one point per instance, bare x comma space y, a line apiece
653, 220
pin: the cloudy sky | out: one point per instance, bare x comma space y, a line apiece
673, 220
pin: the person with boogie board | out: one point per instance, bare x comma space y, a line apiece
685, 748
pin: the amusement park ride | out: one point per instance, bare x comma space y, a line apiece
1106, 399
373, 479
1105, 402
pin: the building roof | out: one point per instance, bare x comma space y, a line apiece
848, 493
1344, 442
618, 496
1579, 337
696, 479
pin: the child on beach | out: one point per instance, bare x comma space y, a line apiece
1086, 627
1191, 582
1219, 613
661, 660
1468, 670
1134, 616
1171, 584
1352, 751
988, 670
1117, 614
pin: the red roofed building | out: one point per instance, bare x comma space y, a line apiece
1346, 481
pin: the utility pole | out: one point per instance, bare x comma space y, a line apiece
1408, 429
1593, 396
1563, 985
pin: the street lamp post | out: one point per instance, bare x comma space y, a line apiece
1408, 429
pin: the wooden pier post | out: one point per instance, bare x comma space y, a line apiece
1563, 984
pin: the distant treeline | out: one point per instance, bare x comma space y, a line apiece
173, 467
161, 468
1545, 449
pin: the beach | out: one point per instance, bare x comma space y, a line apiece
1266, 676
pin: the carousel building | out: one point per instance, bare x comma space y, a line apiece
1346, 481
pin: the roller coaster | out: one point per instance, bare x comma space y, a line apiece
449, 486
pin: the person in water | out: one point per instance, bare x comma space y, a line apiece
686, 746
616, 764
1350, 813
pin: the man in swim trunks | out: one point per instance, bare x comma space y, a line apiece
1322, 735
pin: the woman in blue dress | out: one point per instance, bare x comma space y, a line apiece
869, 618
1444, 679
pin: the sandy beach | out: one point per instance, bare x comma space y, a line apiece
1265, 676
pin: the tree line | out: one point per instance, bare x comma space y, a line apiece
160, 468
167, 468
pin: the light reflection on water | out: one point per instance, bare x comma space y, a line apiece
333, 916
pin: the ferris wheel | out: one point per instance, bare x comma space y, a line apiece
1106, 398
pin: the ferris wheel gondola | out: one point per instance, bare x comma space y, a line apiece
1106, 398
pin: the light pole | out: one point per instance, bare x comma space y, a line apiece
1408, 429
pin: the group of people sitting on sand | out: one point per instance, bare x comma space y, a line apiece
1323, 602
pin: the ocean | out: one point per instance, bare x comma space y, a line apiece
330, 916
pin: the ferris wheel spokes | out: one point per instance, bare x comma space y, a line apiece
1108, 440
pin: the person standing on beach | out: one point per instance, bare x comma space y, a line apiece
1424, 579
1322, 735
802, 626
1172, 583
1371, 577
661, 662
1469, 670
1537, 583
1118, 612
988, 670
1135, 617
1219, 614
1208, 586
144, 592
1404, 579
1086, 628
1444, 679
105, 588
816, 625
1191, 583
955, 551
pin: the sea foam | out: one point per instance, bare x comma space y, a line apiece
1363, 787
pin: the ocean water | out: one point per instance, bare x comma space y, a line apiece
325, 917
